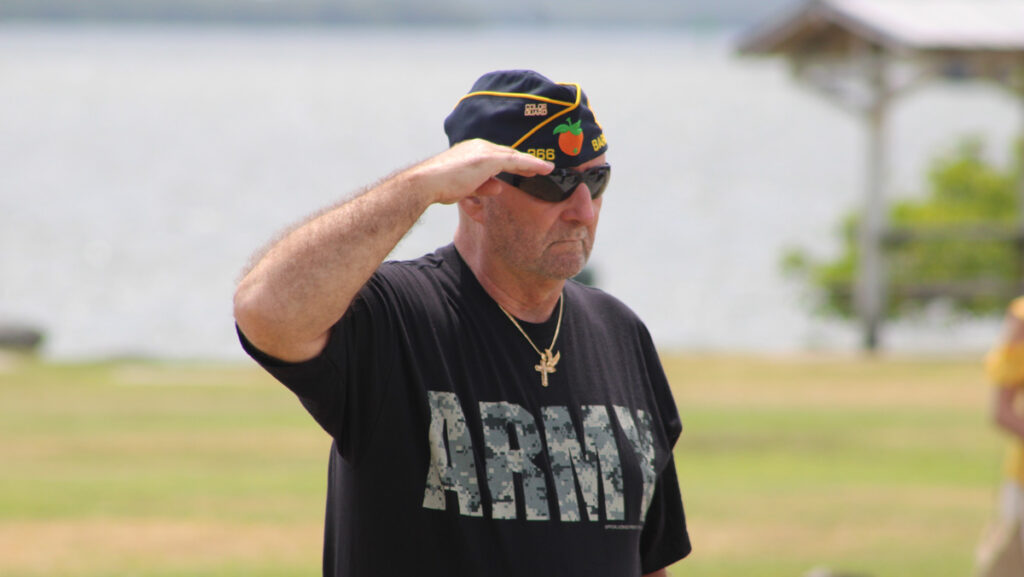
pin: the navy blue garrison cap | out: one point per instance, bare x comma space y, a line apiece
531, 113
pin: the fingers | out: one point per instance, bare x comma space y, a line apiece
511, 161
469, 168
527, 165
496, 158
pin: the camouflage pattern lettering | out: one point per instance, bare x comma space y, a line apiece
599, 438
641, 437
503, 461
452, 468
570, 464
589, 463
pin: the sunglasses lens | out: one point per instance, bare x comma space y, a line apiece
597, 179
550, 188
561, 183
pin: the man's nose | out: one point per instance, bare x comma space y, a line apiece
580, 206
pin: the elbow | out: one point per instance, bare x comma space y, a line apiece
999, 420
1005, 420
266, 325
244, 308
1005, 416
251, 315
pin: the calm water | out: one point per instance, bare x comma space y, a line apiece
141, 167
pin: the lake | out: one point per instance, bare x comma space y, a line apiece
142, 166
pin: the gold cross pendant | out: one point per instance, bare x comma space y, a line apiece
547, 365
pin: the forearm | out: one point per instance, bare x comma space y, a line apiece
304, 283
293, 295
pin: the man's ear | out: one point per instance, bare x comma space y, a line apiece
473, 206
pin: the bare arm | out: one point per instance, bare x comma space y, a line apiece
1004, 413
658, 573
304, 283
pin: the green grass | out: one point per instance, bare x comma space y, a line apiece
148, 469
886, 467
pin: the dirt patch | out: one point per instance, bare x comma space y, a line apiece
62, 547
827, 381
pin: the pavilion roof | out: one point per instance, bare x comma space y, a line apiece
900, 26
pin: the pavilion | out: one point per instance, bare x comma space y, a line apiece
864, 55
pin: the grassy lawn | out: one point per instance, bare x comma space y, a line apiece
147, 469
885, 467
877, 467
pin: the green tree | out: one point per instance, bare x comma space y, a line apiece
959, 236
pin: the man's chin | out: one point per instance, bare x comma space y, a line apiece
565, 259
567, 266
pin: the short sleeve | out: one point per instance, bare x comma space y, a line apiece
1004, 365
664, 539
343, 387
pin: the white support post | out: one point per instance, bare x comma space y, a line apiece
1017, 87
870, 290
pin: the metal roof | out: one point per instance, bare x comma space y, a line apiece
897, 25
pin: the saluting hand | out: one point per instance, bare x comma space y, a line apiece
468, 168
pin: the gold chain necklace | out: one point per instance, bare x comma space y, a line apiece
547, 359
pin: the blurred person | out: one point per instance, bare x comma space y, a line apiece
489, 415
1001, 553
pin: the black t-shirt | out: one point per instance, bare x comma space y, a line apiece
449, 457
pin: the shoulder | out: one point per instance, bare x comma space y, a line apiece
430, 272
1004, 365
603, 313
433, 284
426, 265
599, 304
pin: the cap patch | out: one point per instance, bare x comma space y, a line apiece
570, 137
536, 109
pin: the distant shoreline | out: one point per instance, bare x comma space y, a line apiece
692, 27
694, 15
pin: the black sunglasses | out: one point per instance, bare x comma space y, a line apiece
560, 183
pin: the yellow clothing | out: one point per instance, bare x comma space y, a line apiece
1002, 552
1005, 368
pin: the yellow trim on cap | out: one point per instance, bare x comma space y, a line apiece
514, 95
571, 105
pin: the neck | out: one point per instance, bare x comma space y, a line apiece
526, 298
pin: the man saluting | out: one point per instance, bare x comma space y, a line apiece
489, 415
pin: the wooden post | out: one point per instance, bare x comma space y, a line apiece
1017, 86
870, 290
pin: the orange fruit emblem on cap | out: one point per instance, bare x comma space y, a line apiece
570, 136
